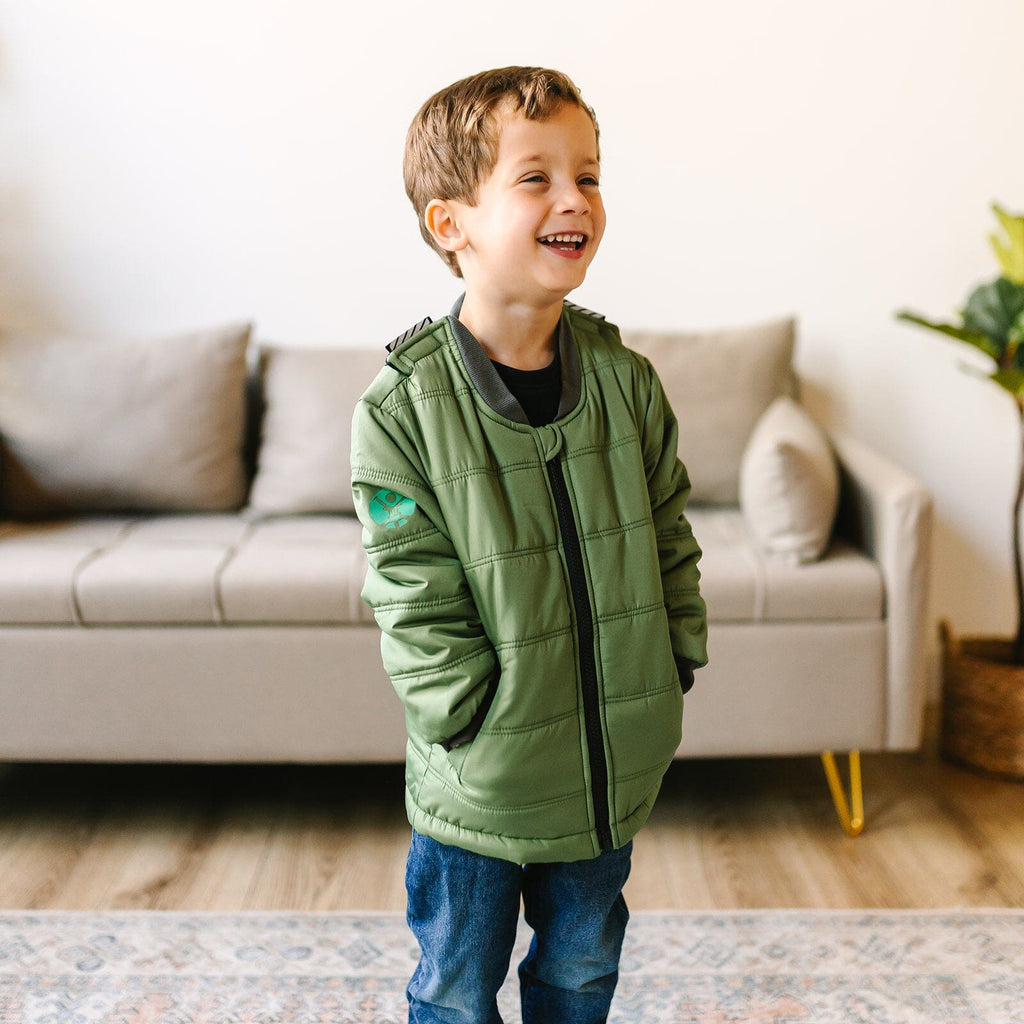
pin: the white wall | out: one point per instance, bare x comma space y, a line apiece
165, 165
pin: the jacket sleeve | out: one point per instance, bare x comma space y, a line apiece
678, 552
434, 648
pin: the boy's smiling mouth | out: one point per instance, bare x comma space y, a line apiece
564, 242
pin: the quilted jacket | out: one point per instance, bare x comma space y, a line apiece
536, 589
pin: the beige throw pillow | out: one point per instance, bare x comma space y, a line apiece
789, 484
309, 397
719, 382
101, 424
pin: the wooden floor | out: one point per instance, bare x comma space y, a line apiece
724, 834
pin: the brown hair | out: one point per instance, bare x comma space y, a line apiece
452, 144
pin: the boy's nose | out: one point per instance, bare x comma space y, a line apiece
572, 200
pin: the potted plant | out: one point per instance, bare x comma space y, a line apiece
983, 691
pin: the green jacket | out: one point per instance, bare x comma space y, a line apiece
535, 587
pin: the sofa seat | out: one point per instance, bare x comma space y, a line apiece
741, 584
183, 570
227, 570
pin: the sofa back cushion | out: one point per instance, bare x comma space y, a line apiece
98, 424
719, 382
308, 396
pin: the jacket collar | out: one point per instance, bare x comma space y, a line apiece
492, 388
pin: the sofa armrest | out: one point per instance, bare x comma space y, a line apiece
888, 514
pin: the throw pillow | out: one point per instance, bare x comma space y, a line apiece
309, 396
101, 424
789, 484
719, 382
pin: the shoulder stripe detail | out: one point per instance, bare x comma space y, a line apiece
405, 336
585, 312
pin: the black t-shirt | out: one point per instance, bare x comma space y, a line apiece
537, 391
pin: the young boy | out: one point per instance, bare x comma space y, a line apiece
530, 566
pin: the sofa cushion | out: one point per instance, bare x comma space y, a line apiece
719, 382
183, 570
309, 396
307, 569
740, 584
39, 563
789, 484
160, 570
111, 424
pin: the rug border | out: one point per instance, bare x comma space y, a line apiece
839, 913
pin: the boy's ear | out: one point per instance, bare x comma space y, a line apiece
439, 217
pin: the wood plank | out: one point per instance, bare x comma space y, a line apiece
724, 834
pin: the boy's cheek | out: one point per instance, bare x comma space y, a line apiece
600, 222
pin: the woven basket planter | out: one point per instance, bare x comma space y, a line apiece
982, 704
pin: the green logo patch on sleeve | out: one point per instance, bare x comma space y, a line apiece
390, 509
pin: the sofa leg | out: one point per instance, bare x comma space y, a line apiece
853, 824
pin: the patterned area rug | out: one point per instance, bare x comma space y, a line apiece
754, 967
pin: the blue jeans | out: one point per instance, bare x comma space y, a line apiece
464, 908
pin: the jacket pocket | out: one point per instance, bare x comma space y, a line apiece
457, 746
466, 736
685, 667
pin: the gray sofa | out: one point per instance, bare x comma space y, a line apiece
180, 577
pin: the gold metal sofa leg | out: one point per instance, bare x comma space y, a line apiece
852, 822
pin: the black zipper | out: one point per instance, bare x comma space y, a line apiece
588, 666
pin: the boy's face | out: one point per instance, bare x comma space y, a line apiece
545, 184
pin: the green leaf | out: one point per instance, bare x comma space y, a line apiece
993, 309
1011, 254
1011, 380
960, 333
1017, 341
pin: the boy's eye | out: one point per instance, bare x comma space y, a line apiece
535, 178
589, 180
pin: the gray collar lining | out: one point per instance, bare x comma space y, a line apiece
492, 388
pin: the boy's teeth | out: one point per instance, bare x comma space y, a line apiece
562, 238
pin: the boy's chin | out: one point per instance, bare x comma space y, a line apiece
569, 280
